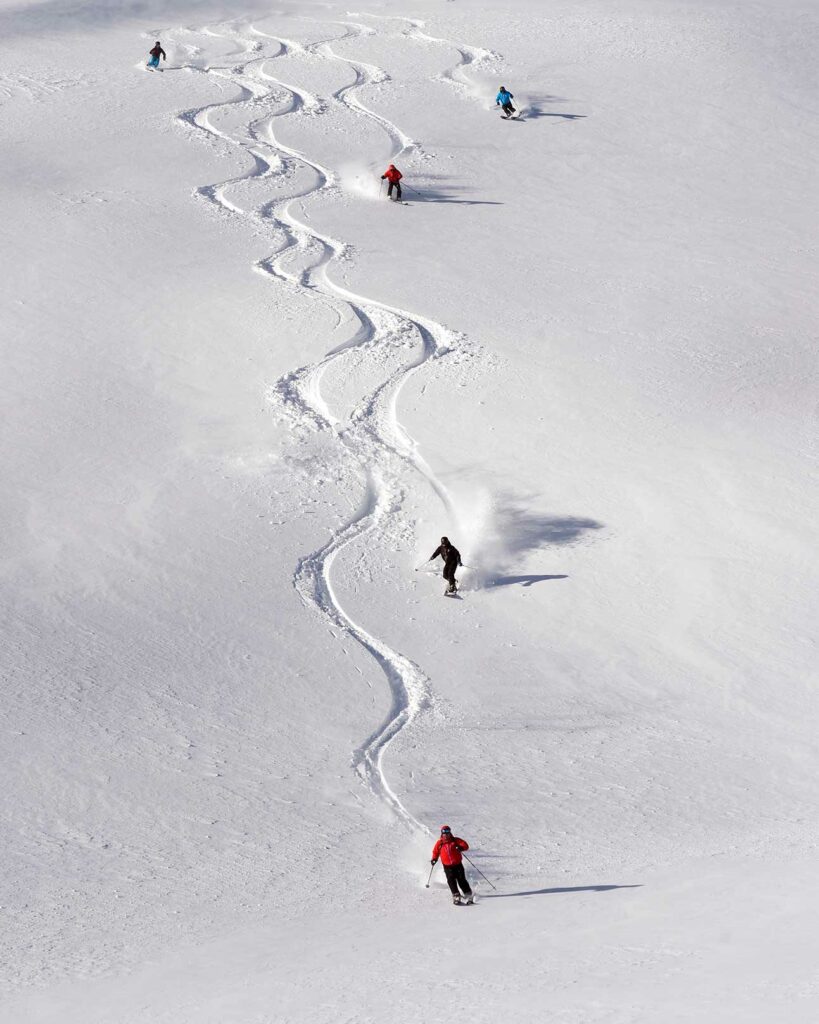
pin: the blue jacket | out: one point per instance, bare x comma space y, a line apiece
503, 98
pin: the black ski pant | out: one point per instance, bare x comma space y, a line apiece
394, 185
455, 876
449, 572
508, 109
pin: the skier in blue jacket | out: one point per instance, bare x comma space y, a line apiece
504, 101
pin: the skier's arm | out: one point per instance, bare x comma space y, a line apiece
435, 851
435, 554
164, 55
462, 844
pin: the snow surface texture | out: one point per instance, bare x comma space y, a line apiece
234, 716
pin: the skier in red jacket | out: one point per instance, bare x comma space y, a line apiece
448, 848
393, 176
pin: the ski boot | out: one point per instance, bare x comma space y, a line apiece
470, 899
456, 900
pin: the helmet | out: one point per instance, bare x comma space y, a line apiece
446, 828
445, 540
503, 88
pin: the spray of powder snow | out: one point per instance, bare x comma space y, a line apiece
360, 179
496, 534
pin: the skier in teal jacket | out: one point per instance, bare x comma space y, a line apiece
504, 101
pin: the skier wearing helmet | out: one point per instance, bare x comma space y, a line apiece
449, 848
504, 101
155, 52
393, 176
452, 559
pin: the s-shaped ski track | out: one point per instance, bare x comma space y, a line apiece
376, 448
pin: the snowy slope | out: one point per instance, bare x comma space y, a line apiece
244, 397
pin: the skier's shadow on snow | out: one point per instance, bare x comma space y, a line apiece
520, 530
532, 113
525, 581
553, 892
537, 106
447, 194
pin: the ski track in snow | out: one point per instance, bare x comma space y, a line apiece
371, 438
455, 76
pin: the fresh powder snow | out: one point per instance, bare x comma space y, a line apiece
244, 396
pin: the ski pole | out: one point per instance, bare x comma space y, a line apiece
483, 876
381, 188
415, 190
430, 874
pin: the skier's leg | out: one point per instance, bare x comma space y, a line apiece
452, 882
461, 879
398, 190
389, 190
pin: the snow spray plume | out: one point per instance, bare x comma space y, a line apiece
502, 529
359, 179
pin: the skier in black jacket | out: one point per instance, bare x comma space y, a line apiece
452, 559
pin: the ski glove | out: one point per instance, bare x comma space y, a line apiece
433, 862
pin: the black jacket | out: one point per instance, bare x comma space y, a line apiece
450, 555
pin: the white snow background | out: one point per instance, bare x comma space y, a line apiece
243, 397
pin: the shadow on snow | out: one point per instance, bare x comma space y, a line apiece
442, 193
556, 891
537, 108
525, 581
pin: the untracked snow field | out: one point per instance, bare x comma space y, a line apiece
243, 397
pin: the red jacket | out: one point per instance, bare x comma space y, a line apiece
449, 850
392, 174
